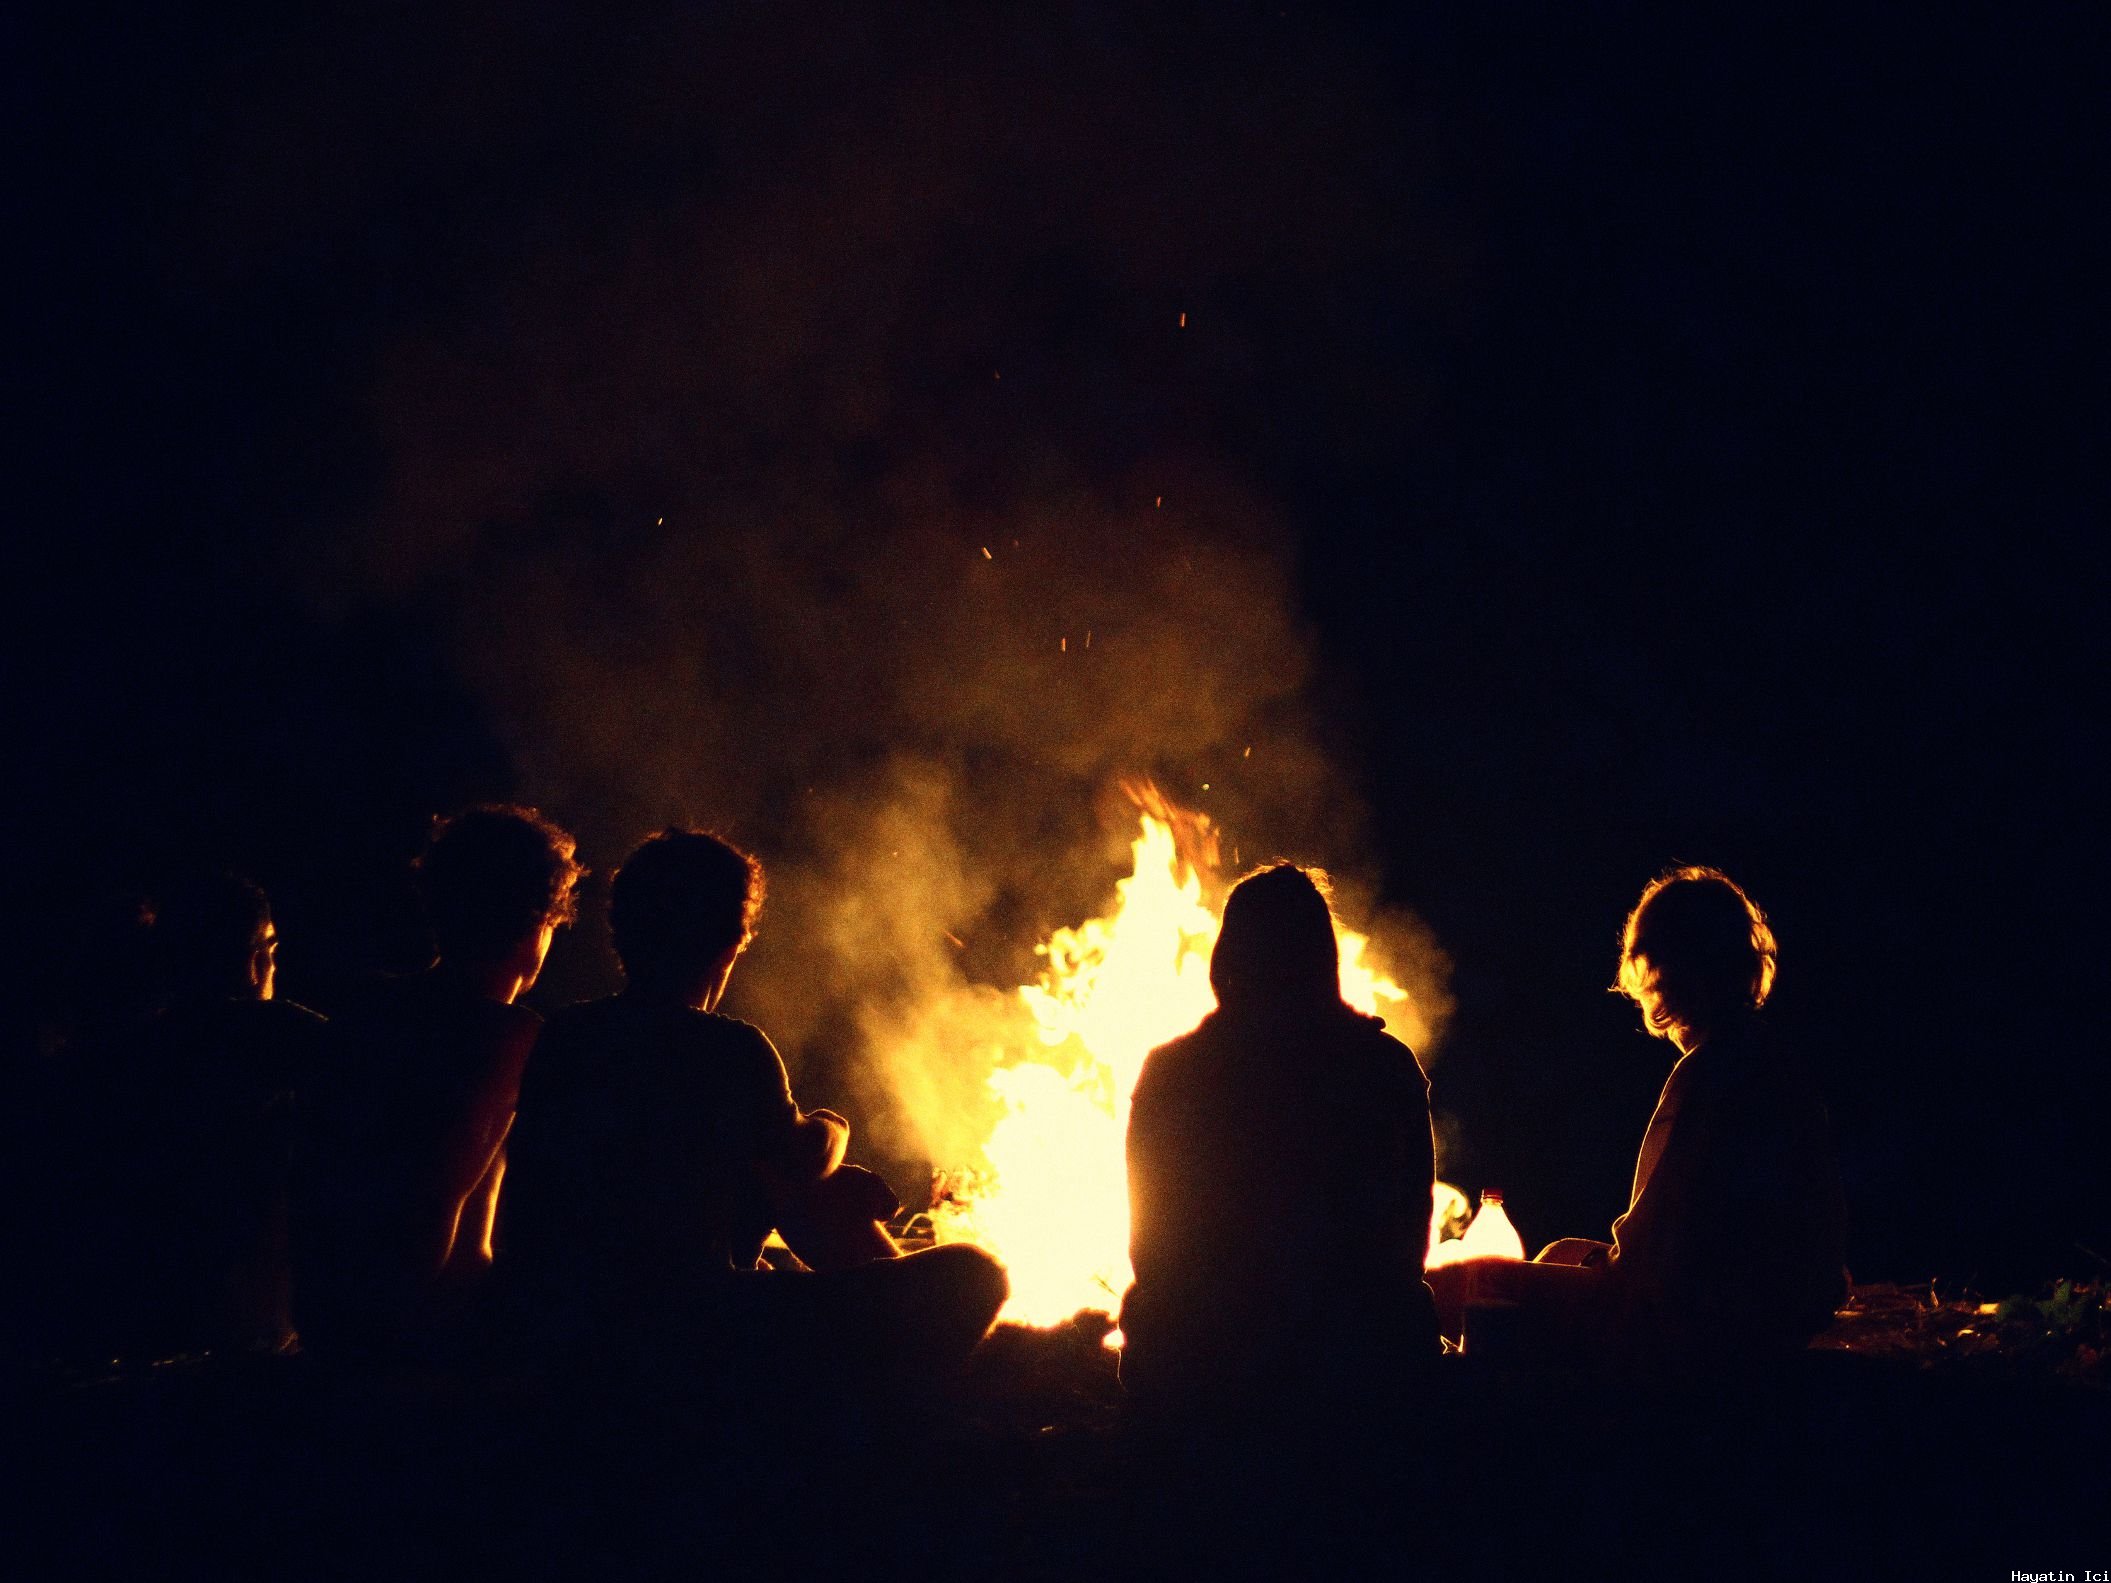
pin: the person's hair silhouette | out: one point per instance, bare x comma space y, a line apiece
683, 903
493, 876
1276, 947
1696, 951
217, 940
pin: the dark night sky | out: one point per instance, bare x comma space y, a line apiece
1591, 446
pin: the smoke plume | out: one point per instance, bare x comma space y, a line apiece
875, 482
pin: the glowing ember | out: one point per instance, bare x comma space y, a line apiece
1050, 1196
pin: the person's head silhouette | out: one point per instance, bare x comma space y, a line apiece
217, 940
1696, 953
682, 908
1276, 950
498, 882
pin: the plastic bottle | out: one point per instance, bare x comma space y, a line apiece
1491, 1236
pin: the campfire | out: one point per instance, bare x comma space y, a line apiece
1049, 1193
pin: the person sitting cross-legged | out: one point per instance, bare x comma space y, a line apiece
659, 1145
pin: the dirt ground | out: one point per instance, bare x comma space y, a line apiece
1894, 1448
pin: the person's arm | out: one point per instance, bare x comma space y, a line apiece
828, 1213
1584, 1252
831, 1218
471, 1246
788, 1148
818, 1140
480, 1152
836, 1222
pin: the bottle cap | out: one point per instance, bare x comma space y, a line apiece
1490, 1195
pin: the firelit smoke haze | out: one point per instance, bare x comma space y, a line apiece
881, 494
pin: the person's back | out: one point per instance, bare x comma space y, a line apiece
637, 1163
421, 1084
217, 1085
1280, 1169
1734, 1245
1280, 1200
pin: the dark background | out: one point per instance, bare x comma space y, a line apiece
1593, 444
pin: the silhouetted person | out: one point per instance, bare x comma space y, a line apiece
405, 1140
182, 1135
1280, 1176
218, 1077
1733, 1243
659, 1144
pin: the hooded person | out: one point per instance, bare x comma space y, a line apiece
1281, 1167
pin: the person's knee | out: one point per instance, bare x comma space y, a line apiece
975, 1279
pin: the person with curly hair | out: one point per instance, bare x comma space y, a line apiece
406, 1137
659, 1145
